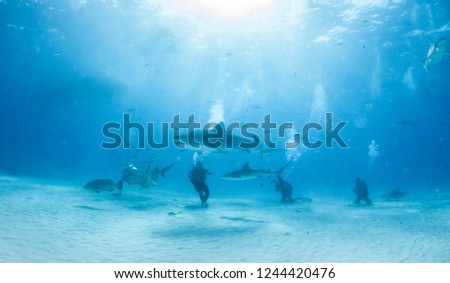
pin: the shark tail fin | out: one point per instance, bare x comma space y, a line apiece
119, 185
219, 127
426, 68
279, 171
164, 170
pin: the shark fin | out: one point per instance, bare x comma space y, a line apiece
165, 169
426, 68
279, 171
246, 166
441, 42
218, 126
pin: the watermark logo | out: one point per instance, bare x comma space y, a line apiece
191, 134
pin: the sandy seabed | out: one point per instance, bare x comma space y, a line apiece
43, 222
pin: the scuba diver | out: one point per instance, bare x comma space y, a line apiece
361, 191
197, 176
285, 189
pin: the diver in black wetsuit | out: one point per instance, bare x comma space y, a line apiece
361, 191
197, 176
286, 190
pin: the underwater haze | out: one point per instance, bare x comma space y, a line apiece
379, 67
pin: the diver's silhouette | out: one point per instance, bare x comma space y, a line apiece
197, 176
361, 191
285, 189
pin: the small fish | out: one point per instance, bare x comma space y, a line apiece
56, 54
404, 122
103, 185
173, 213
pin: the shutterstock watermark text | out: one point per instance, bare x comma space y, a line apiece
191, 134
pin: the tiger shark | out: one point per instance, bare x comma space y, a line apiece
132, 175
216, 139
247, 173
436, 52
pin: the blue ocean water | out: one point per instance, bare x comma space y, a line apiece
69, 67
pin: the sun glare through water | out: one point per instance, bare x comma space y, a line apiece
220, 15
233, 8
